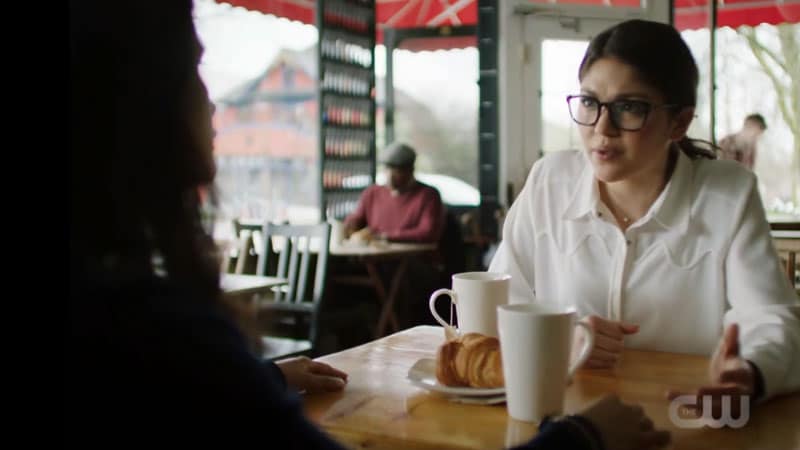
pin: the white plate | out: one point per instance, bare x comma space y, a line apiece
423, 374
353, 243
493, 400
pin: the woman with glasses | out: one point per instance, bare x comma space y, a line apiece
657, 245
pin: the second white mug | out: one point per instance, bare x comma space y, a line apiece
535, 344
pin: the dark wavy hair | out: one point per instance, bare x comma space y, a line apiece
662, 59
137, 164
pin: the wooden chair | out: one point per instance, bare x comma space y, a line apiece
784, 236
298, 253
247, 238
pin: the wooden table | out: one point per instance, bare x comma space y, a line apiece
380, 409
234, 285
788, 242
371, 256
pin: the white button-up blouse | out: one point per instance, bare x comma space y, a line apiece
701, 258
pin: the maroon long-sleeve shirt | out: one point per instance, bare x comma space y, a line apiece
416, 215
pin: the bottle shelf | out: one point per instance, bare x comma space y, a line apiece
331, 126
345, 48
347, 103
334, 93
347, 144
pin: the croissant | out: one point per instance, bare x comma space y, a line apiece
470, 360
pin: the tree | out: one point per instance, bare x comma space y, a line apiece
783, 69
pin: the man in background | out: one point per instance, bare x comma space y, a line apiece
741, 146
405, 210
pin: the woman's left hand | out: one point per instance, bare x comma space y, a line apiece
729, 374
304, 374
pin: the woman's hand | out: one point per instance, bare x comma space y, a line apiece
303, 374
624, 426
608, 341
729, 375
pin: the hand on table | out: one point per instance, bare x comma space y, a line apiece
623, 426
729, 374
304, 374
609, 337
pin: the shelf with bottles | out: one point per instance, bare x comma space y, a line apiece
347, 143
352, 112
339, 205
329, 93
353, 16
337, 95
347, 104
342, 174
346, 48
340, 79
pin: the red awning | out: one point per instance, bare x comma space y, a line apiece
689, 14
390, 13
693, 14
300, 10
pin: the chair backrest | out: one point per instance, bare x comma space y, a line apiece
245, 241
294, 245
451, 246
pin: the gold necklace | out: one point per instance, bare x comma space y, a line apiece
671, 161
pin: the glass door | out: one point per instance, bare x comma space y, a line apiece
554, 47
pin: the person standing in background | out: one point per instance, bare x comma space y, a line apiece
741, 146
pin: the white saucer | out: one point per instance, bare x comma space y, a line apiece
423, 374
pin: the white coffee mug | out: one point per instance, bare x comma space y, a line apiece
535, 344
476, 296
337, 232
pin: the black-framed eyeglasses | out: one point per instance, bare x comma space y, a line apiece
627, 115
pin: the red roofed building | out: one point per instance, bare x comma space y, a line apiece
266, 140
273, 114
266, 144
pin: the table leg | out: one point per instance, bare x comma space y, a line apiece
380, 291
387, 316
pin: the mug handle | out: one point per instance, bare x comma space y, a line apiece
432, 306
588, 344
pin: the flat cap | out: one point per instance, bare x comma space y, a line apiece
398, 154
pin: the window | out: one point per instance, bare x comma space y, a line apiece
742, 64
436, 112
259, 71
753, 76
561, 59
